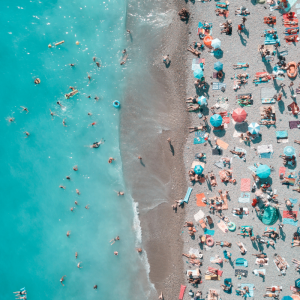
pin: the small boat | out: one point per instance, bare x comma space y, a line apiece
292, 70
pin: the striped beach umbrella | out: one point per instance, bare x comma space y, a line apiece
239, 115
289, 151
216, 43
254, 128
216, 120
263, 171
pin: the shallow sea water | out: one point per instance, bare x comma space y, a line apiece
35, 251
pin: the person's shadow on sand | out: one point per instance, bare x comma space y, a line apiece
243, 40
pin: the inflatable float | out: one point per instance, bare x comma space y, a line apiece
116, 104
292, 70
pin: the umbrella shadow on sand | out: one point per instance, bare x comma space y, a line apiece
241, 127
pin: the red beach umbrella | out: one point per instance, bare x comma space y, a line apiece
239, 115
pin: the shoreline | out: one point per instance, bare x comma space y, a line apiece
161, 227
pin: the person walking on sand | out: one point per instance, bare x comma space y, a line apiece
62, 279
68, 233
25, 109
78, 266
161, 296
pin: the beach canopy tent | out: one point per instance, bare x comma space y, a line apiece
263, 171
218, 66
216, 43
289, 151
216, 120
239, 115
270, 215
254, 128
198, 73
202, 100
297, 283
198, 170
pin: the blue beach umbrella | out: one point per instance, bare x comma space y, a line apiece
297, 283
218, 66
287, 298
198, 170
202, 100
254, 128
216, 120
263, 171
216, 43
198, 73
289, 151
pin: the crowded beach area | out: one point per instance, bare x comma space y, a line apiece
240, 230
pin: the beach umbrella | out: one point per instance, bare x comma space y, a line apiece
216, 120
297, 283
218, 66
287, 298
254, 128
289, 151
198, 170
216, 43
198, 73
263, 171
202, 100
239, 115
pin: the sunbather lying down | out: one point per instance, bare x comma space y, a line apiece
238, 153
194, 51
220, 11
267, 122
223, 244
241, 66
193, 107
260, 255
242, 291
202, 128
272, 295
295, 243
242, 249
217, 260
226, 287
243, 12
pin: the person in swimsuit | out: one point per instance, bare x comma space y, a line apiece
78, 266
62, 279
75, 168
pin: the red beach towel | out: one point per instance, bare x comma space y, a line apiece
226, 120
182, 289
219, 272
282, 170
285, 16
245, 184
199, 198
289, 214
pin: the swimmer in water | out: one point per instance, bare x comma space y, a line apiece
98, 64
88, 97
76, 203
95, 286
75, 168
72, 208
72, 65
87, 206
27, 134
139, 250
58, 103
96, 144
68, 177
114, 240
78, 266
10, 120
76, 254
90, 114
52, 114
94, 58
77, 192
96, 98
68, 233
120, 193
64, 123
25, 109
62, 187
37, 81
92, 124
62, 279
110, 160
116, 253
89, 77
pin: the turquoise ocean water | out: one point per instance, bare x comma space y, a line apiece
35, 251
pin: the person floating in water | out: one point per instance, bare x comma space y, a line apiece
27, 134
68, 233
37, 81
10, 120
92, 124
120, 193
77, 192
87, 206
25, 109
75, 168
97, 144
76, 254
68, 177
72, 65
110, 160
114, 240
62, 279
78, 266
95, 286
52, 114
62, 187
64, 122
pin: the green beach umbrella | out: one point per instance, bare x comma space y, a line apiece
216, 120
198, 170
263, 171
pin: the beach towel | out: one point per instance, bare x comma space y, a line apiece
286, 30
294, 201
287, 265
195, 252
241, 272
199, 140
268, 101
251, 289
289, 221
219, 164
281, 134
218, 85
221, 224
225, 254
199, 198
294, 124
209, 231
211, 269
194, 273
243, 230
211, 277
226, 120
240, 150
265, 264
227, 282
242, 64
291, 181
288, 214
217, 151
255, 272
181, 293
187, 196
244, 198
222, 144
200, 134
245, 184
252, 168
245, 212
266, 155
199, 215
241, 262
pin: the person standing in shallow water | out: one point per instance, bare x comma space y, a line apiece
75, 168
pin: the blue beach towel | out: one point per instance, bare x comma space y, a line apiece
290, 221
250, 286
199, 140
209, 231
187, 196
199, 134
242, 64
266, 155
225, 254
227, 281
281, 134
294, 201
241, 262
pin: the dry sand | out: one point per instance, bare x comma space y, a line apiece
241, 48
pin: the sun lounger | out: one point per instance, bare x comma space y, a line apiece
241, 262
212, 277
